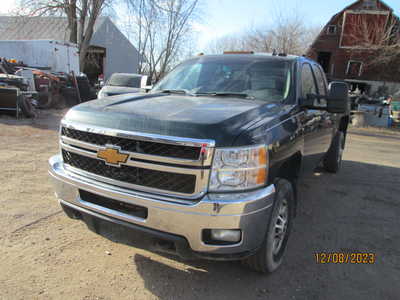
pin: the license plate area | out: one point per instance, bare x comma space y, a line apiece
122, 207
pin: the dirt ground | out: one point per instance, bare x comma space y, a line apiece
45, 255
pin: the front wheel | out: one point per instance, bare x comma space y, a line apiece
270, 255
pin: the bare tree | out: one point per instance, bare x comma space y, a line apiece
163, 27
234, 42
368, 31
81, 15
378, 37
287, 34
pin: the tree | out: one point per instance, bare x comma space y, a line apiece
376, 37
286, 34
234, 42
81, 15
163, 29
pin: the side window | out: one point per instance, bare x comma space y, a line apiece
307, 81
319, 77
321, 84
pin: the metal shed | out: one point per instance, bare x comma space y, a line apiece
119, 54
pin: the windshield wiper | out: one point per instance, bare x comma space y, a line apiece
222, 94
183, 92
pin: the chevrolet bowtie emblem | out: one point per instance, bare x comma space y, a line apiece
112, 156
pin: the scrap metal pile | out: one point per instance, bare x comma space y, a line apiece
24, 89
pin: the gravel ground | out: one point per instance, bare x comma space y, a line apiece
45, 255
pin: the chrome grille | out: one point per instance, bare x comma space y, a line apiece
181, 183
163, 165
144, 147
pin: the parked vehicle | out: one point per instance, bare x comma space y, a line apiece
122, 83
207, 162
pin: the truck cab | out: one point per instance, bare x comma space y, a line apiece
208, 161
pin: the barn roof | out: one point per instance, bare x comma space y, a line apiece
36, 28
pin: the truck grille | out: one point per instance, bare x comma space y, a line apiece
166, 166
144, 147
174, 182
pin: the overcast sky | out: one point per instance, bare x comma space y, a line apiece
223, 17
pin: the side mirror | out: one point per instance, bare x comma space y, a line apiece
338, 98
148, 88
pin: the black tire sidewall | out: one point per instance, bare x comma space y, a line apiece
284, 189
27, 108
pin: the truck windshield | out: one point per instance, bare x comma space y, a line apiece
260, 79
125, 80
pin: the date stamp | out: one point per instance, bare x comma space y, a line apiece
344, 258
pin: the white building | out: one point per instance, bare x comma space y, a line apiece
110, 51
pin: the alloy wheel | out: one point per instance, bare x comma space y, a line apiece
280, 227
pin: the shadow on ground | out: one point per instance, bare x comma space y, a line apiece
46, 119
354, 211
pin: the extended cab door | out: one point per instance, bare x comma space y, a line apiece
328, 120
317, 123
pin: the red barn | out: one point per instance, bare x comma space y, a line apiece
348, 47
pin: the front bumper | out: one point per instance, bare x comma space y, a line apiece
248, 211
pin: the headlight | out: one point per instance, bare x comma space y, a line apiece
240, 168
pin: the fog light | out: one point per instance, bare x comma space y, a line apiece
226, 235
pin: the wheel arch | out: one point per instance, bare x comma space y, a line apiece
290, 170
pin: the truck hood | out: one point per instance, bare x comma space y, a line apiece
216, 118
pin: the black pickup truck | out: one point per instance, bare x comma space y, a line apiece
207, 162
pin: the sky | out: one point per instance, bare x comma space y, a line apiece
6, 6
223, 17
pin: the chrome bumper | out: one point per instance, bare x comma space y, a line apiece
249, 211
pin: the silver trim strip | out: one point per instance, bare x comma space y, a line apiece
78, 143
110, 212
164, 159
133, 163
79, 151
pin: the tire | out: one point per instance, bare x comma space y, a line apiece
70, 96
333, 158
45, 100
27, 108
270, 255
